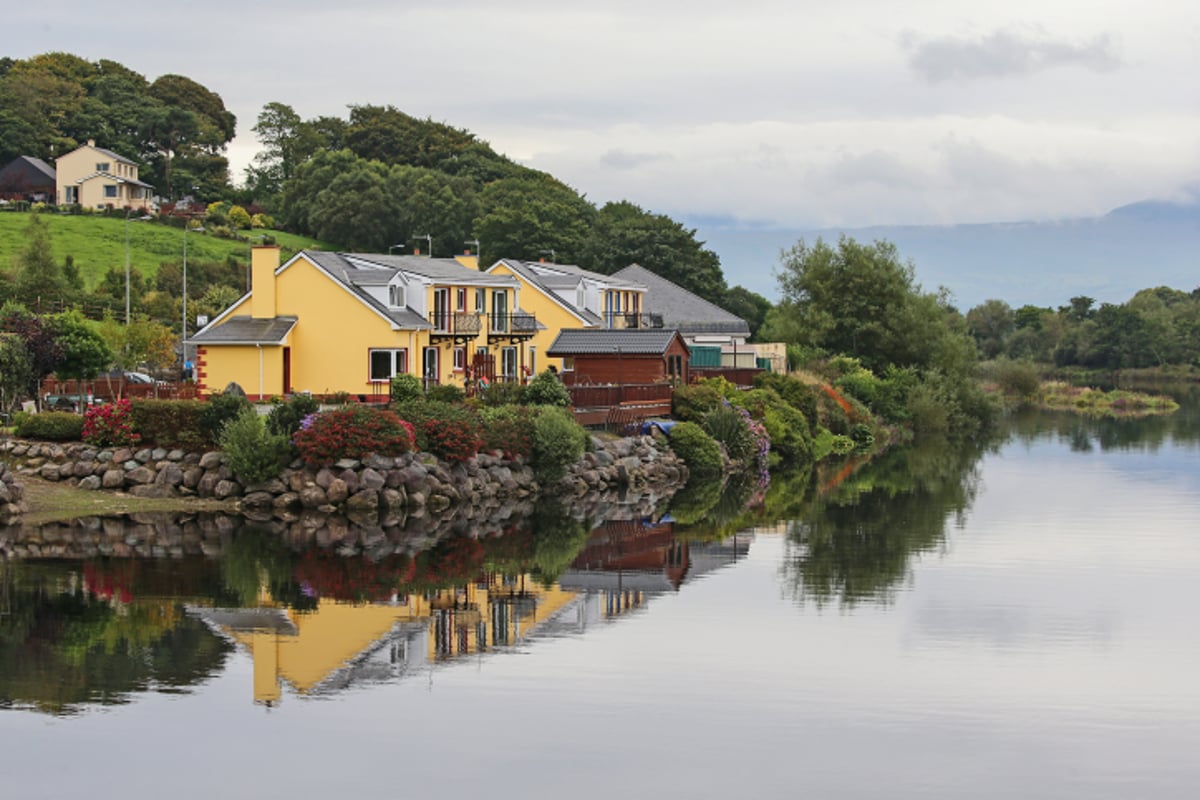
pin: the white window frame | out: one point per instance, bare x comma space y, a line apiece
508, 358
460, 359
398, 366
397, 296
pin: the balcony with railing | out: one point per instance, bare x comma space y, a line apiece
457, 326
628, 320
515, 328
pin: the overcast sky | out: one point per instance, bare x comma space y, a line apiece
782, 112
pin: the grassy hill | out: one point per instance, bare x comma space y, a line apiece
98, 243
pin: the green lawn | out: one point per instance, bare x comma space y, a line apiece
98, 243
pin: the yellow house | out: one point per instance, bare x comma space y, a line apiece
564, 296
93, 177
347, 322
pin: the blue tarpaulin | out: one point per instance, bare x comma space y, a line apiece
663, 425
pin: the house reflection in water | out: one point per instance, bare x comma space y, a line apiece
339, 644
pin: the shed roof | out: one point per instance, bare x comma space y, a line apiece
633, 341
246, 330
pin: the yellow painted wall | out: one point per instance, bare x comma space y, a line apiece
259, 371
548, 313
330, 344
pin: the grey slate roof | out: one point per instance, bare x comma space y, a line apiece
568, 278
114, 156
441, 270
246, 330
354, 278
680, 309
634, 341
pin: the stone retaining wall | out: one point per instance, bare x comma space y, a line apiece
11, 495
413, 484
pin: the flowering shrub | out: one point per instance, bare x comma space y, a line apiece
451, 432
509, 429
110, 425
351, 432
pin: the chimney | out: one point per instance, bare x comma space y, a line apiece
91, 142
264, 260
416, 251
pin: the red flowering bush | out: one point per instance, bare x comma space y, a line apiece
110, 425
352, 432
450, 431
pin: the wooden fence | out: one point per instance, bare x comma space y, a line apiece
73, 395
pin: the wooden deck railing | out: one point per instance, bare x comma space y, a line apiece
606, 396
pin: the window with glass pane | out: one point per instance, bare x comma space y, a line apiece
386, 363
396, 296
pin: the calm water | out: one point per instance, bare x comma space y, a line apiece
1014, 621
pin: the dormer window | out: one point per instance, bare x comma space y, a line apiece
580, 297
396, 296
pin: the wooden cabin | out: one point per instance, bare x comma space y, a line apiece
621, 357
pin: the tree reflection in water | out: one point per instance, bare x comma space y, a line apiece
855, 541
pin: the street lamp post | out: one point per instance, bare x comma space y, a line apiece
552, 255
183, 327
392, 247
144, 216
428, 238
127, 213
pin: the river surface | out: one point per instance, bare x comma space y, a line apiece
1009, 620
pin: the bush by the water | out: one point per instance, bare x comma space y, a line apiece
509, 429
351, 432
698, 450
54, 426
110, 425
255, 453
170, 423
558, 442
285, 418
450, 431
729, 427
216, 412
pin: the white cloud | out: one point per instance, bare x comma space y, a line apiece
1004, 53
863, 112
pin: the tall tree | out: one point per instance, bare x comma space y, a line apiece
624, 234
40, 280
528, 217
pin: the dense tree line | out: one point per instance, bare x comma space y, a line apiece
173, 126
1155, 328
383, 178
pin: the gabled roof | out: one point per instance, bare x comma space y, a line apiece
681, 309
116, 178
29, 168
246, 330
634, 341
437, 270
566, 275
353, 278
547, 278
102, 151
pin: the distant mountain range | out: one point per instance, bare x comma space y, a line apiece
1109, 258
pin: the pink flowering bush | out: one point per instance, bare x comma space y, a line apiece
110, 425
351, 432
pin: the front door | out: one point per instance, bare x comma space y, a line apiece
429, 367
